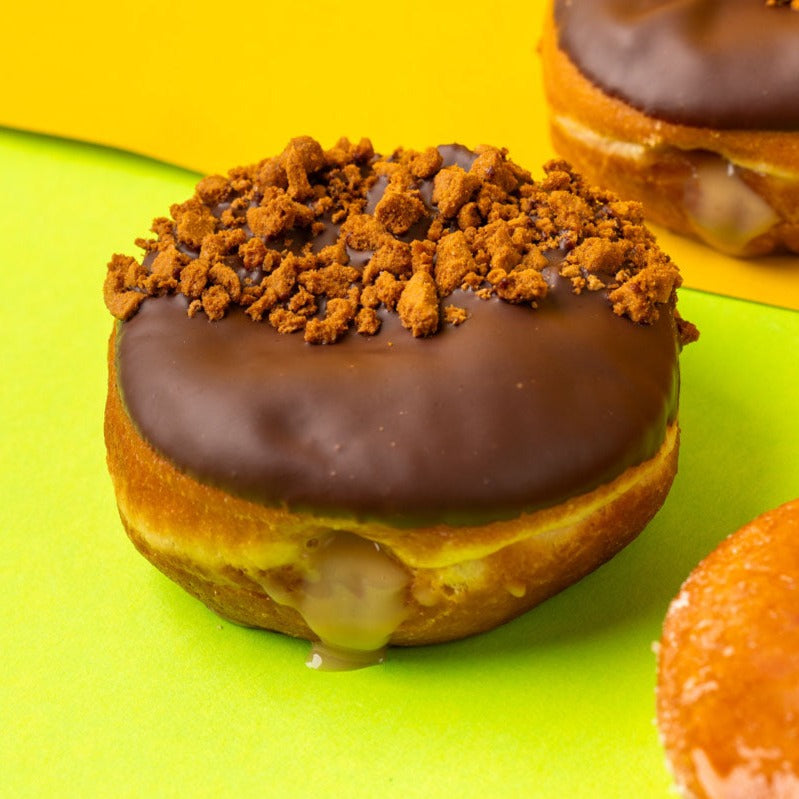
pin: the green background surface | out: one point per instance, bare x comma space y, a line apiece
115, 682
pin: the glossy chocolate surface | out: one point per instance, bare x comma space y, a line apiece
514, 410
731, 64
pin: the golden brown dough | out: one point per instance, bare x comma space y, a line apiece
728, 670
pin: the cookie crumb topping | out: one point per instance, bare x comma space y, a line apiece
319, 241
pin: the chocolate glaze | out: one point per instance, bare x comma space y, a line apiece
731, 64
514, 410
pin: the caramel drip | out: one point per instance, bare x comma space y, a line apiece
723, 208
352, 595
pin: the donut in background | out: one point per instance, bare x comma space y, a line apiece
692, 108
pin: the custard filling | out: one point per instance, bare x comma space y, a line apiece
724, 210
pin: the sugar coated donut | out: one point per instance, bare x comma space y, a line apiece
689, 106
728, 670
370, 400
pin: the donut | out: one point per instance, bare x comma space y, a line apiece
728, 667
690, 107
371, 400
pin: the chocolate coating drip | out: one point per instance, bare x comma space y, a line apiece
731, 64
515, 410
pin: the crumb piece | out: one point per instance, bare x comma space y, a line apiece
194, 278
638, 296
422, 256
333, 254
194, 222
436, 230
570, 213
123, 304
472, 281
277, 214
286, 321
490, 166
164, 271
263, 305
387, 290
499, 246
425, 165
686, 331
332, 281
163, 228
367, 322
534, 259
398, 210
249, 294
195, 306
393, 256
339, 315
302, 156
213, 189
216, 245
233, 216
282, 280
490, 201
593, 283
599, 256
523, 285
252, 253
363, 232
454, 261
452, 189
215, 301
270, 173
303, 303
225, 277
418, 305
455, 315
469, 216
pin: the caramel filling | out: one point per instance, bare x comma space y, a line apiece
351, 594
724, 210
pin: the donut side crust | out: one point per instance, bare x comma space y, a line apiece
461, 581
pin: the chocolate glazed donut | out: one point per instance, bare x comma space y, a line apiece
399, 484
450, 422
691, 106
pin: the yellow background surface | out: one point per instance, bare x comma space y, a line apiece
207, 85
